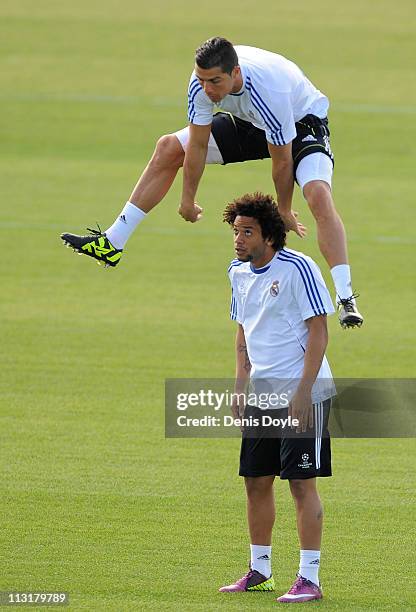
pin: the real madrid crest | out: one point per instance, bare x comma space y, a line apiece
274, 289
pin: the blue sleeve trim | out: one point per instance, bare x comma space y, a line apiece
193, 90
270, 119
310, 273
308, 280
235, 263
233, 307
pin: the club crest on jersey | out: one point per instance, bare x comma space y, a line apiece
274, 289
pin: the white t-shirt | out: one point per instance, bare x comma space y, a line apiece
275, 94
272, 304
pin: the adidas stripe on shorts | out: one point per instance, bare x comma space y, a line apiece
289, 456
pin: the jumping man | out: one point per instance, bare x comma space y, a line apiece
272, 111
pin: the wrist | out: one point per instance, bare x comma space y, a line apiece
284, 209
240, 384
305, 386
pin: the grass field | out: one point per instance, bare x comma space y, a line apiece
95, 501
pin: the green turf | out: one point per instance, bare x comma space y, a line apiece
94, 500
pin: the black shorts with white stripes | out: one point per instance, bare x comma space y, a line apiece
240, 141
287, 454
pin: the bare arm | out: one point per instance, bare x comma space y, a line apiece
242, 371
283, 178
315, 349
242, 361
193, 168
301, 404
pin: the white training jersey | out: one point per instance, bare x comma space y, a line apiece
275, 94
272, 304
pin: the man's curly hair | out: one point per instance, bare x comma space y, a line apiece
264, 209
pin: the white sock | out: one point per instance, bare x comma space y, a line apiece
341, 276
309, 565
124, 225
261, 559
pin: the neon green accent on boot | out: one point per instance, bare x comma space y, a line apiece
99, 249
267, 585
114, 257
88, 247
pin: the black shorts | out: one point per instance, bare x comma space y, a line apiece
290, 456
240, 141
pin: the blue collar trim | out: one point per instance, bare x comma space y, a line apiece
259, 270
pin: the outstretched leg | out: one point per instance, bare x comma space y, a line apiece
333, 245
314, 175
331, 233
159, 173
151, 188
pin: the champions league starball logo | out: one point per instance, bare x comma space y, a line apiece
305, 461
274, 289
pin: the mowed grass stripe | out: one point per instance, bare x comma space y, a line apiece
95, 500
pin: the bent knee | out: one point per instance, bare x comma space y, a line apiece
319, 197
168, 151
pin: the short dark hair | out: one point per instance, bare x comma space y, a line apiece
215, 52
264, 209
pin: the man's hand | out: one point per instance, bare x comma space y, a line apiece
237, 409
301, 408
193, 167
191, 212
291, 223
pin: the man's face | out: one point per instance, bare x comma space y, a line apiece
249, 243
217, 84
